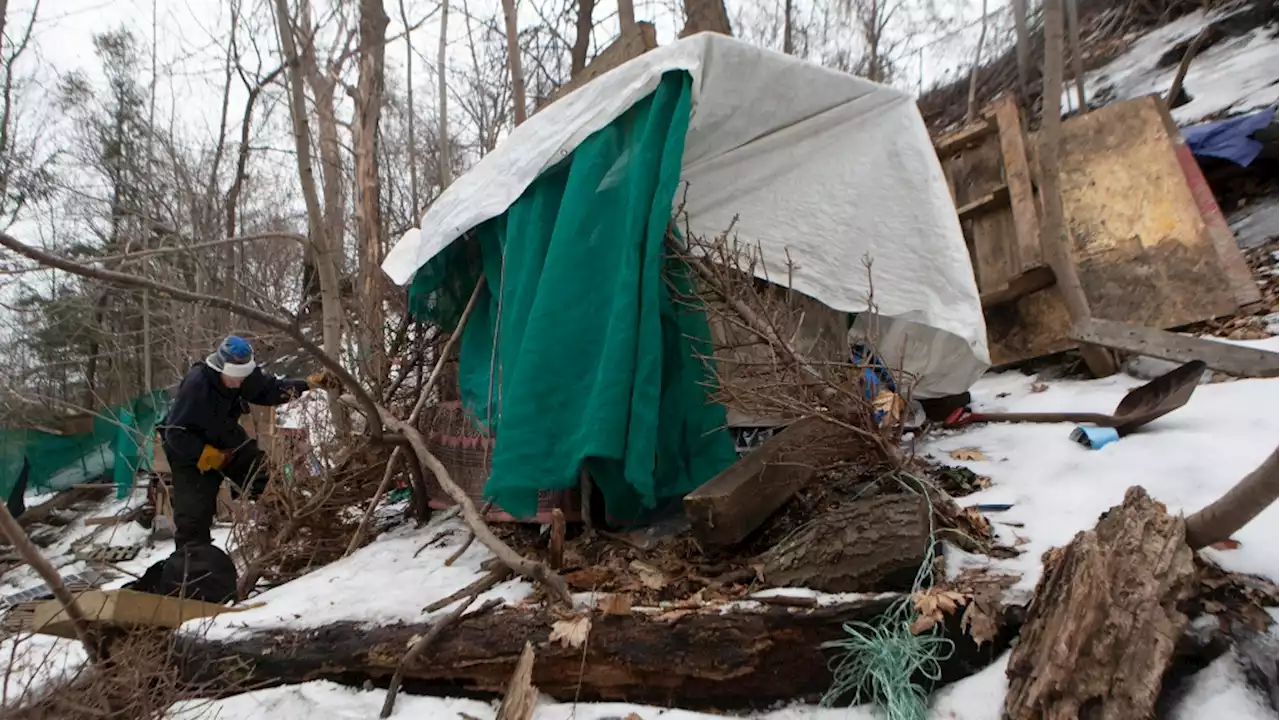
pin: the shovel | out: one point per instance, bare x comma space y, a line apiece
1142, 405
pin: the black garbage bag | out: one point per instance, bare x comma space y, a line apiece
200, 572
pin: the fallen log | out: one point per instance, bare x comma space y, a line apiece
868, 546
1102, 627
748, 657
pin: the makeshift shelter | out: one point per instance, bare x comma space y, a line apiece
580, 354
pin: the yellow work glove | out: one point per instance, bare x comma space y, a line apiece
211, 458
325, 380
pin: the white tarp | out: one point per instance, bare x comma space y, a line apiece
816, 165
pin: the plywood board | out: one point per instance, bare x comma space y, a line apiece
1142, 247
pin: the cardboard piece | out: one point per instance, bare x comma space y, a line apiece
124, 609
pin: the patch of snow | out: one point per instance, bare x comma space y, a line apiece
36, 661
379, 584
1057, 488
1222, 691
1235, 75
1256, 223
322, 699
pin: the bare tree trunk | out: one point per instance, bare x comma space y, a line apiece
582, 41
1054, 237
788, 29
147, 345
626, 15
369, 89
1023, 50
321, 243
519, 110
705, 16
411, 119
445, 159
972, 111
1077, 60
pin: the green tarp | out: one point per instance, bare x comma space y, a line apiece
115, 447
594, 361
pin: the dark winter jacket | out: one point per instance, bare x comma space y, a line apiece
206, 412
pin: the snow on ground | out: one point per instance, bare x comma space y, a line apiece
1221, 691
1256, 222
1058, 488
379, 584
337, 702
1235, 75
35, 662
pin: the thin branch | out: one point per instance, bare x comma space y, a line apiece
365, 401
31, 555
413, 417
530, 569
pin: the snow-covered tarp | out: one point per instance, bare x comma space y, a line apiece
819, 169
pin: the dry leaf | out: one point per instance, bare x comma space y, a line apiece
589, 578
923, 624
971, 454
891, 404
617, 604
978, 624
1228, 544
1019, 541
633, 716
650, 576
1038, 387
571, 633
949, 600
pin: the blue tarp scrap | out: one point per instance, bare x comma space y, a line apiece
1230, 139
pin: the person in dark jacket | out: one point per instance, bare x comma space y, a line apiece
204, 441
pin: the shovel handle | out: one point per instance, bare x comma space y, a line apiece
960, 419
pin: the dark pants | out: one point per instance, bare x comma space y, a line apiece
195, 493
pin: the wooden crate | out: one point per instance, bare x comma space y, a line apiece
1149, 243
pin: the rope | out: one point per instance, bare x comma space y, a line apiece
877, 662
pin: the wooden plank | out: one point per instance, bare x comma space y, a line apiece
1224, 357
729, 506
1138, 239
965, 137
1219, 232
995, 200
974, 174
629, 45
1017, 171
1025, 284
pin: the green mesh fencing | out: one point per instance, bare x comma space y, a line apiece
118, 447
594, 361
